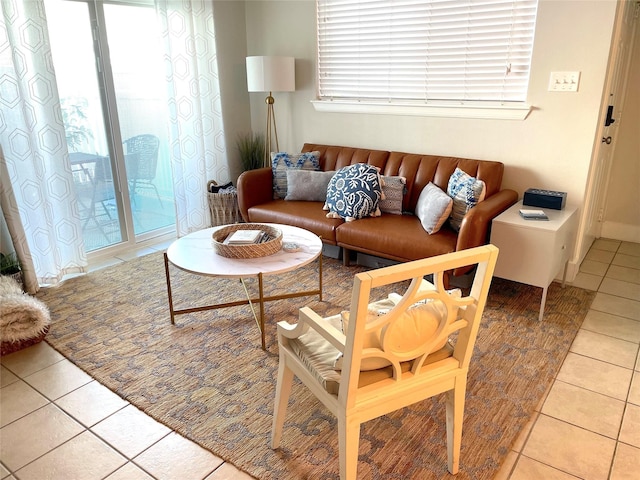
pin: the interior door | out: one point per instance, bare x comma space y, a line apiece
610, 118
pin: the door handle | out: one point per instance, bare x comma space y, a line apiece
606, 140
610, 118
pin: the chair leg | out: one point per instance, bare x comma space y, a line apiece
157, 195
283, 389
106, 209
132, 192
455, 414
348, 442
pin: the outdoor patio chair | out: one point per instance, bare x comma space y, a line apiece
141, 160
95, 190
381, 356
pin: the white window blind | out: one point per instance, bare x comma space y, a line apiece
415, 51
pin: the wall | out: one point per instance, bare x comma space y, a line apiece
231, 49
550, 149
622, 211
286, 28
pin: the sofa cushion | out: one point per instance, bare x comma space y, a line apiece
466, 191
307, 185
393, 193
283, 161
307, 215
433, 208
409, 241
354, 192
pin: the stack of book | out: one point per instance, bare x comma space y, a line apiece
533, 214
246, 237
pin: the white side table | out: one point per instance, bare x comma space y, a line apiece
534, 251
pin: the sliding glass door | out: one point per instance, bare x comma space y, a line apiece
135, 52
108, 63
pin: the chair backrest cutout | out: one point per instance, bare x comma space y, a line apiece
424, 319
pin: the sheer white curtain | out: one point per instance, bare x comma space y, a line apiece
198, 152
37, 185
35, 165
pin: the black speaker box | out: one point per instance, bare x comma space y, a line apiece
536, 197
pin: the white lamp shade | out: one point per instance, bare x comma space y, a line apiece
271, 74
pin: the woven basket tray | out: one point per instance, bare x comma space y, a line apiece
252, 250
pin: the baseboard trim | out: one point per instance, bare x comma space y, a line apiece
572, 271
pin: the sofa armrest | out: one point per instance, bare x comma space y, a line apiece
474, 230
255, 187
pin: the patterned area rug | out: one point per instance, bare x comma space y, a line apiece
207, 377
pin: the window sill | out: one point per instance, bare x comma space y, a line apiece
489, 110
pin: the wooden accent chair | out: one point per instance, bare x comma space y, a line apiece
398, 351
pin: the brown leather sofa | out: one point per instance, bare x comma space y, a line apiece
395, 237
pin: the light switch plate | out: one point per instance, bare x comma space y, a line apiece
564, 81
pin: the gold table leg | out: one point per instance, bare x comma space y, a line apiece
250, 301
260, 322
166, 272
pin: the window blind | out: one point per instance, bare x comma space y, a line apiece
421, 50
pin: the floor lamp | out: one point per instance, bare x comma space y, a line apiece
271, 74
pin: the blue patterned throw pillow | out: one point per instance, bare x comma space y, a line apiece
466, 191
354, 192
282, 161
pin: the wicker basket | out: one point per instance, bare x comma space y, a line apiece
252, 250
223, 207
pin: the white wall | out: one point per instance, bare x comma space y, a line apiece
231, 49
550, 149
285, 28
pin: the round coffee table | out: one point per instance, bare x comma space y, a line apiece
194, 253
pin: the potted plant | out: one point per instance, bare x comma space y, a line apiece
75, 121
251, 147
10, 266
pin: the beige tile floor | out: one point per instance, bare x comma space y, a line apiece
84, 431
588, 426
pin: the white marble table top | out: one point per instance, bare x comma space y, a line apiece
194, 253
